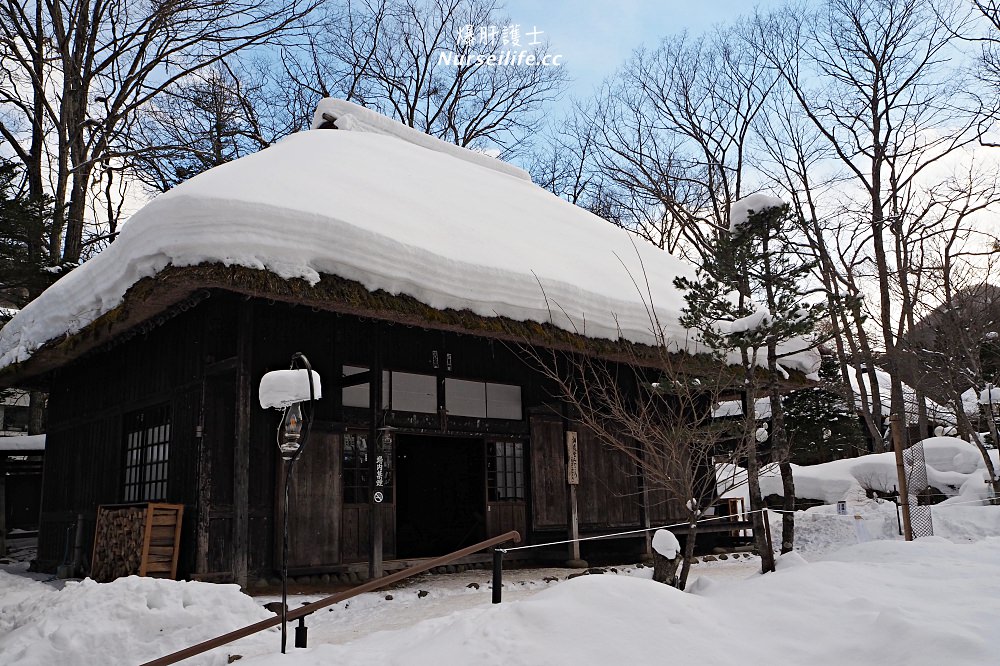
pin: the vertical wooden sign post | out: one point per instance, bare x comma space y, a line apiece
572, 481
376, 460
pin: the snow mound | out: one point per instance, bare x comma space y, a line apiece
867, 605
739, 211
666, 544
789, 560
392, 215
126, 622
954, 466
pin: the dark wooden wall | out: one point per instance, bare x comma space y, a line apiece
84, 447
207, 362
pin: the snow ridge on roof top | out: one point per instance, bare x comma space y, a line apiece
354, 118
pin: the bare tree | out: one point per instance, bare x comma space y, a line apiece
655, 409
945, 348
565, 165
878, 80
427, 63
674, 127
74, 74
211, 117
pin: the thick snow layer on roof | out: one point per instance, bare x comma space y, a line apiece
726, 408
23, 443
739, 212
384, 210
935, 412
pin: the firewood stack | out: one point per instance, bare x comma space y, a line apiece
141, 539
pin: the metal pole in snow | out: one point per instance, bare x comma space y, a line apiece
497, 574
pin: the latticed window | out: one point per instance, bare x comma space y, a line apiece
355, 468
147, 453
356, 471
505, 471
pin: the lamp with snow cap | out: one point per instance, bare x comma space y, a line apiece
290, 440
289, 390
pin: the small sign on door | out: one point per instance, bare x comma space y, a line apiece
572, 459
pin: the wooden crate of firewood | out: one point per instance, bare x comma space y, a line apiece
141, 539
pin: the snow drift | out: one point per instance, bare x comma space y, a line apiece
128, 621
879, 603
954, 466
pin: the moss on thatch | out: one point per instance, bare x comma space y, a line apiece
154, 299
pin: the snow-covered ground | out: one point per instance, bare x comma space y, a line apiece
834, 601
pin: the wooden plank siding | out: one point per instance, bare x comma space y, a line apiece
87, 402
314, 494
224, 467
548, 473
502, 517
609, 494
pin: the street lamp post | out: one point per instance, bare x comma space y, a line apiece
288, 390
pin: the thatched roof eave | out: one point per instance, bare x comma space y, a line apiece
153, 300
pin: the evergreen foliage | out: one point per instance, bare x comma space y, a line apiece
753, 261
25, 264
821, 425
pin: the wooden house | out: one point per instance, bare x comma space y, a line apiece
411, 273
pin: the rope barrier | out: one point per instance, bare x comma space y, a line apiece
638, 531
981, 502
745, 514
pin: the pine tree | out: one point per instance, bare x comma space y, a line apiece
822, 426
749, 297
25, 265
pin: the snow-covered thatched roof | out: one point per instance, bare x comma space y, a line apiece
394, 210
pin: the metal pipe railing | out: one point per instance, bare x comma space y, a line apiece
368, 586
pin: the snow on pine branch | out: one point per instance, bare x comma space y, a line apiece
740, 211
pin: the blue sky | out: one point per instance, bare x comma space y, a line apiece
596, 36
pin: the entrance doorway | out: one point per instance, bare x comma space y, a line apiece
440, 494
